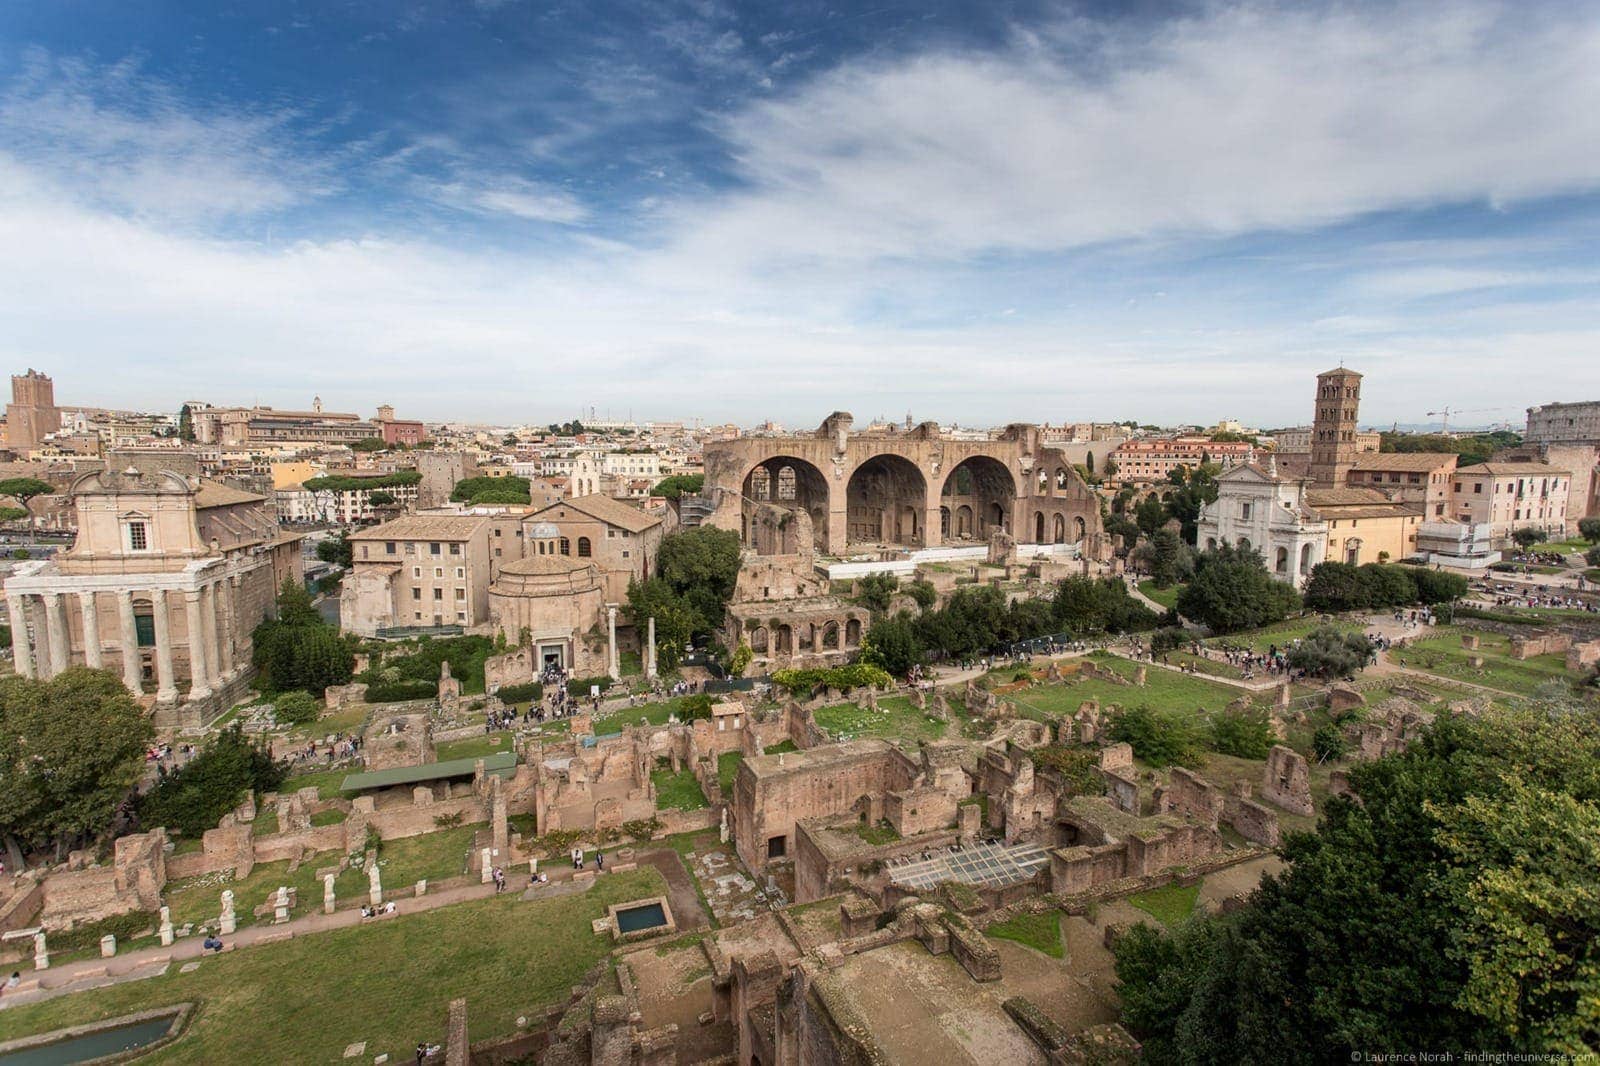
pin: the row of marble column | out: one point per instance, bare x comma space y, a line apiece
210, 616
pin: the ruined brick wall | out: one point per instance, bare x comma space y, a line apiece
919, 810
1191, 795
1255, 822
1080, 869
768, 804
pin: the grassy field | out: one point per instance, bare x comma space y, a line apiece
727, 769
1041, 932
434, 856
387, 983
1442, 654
475, 747
1282, 634
1162, 688
653, 713
895, 720
1168, 905
347, 720
326, 783
1167, 597
677, 791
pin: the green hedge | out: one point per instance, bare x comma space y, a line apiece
526, 693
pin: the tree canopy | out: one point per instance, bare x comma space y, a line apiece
71, 749
695, 573
298, 649
192, 798
509, 489
1455, 906
1231, 590
678, 485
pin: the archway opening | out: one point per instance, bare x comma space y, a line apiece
986, 490
787, 482
884, 500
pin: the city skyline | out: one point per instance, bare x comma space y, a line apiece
737, 213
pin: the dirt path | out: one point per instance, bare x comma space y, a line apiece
687, 910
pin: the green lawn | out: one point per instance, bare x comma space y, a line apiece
727, 769
1565, 547
1167, 597
475, 747
1162, 688
895, 720
1442, 654
653, 713
326, 782
403, 863
876, 835
677, 791
387, 982
782, 747
1041, 932
1282, 634
1169, 905
346, 720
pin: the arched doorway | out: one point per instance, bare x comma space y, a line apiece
1059, 530
1080, 529
986, 487
1038, 528
884, 500
787, 482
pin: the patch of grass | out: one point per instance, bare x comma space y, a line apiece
1163, 689
475, 747
1168, 905
326, 782
266, 823
1041, 932
876, 835
678, 791
727, 769
783, 747
280, 1002
1167, 597
345, 720
1442, 654
331, 816
896, 720
652, 713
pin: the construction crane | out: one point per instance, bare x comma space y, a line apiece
1445, 413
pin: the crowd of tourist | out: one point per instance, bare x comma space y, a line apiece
339, 748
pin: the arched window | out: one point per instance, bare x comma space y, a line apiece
583, 548
761, 484
1038, 529
566, 546
1044, 480
1283, 560
1059, 530
786, 482
1061, 477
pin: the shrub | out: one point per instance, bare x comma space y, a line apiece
1589, 529
1592, 556
579, 686
876, 590
1168, 638
1232, 590
923, 593
400, 691
1160, 738
854, 675
524, 693
293, 708
1328, 743
1077, 766
1245, 733
695, 708
449, 821
1436, 586
741, 659
1527, 536
1329, 651
642, 829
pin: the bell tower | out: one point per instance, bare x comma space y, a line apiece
1333, 429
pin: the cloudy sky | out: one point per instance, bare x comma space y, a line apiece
979, 212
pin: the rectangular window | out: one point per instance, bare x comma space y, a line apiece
416, 572
455, 549
435, 548
438, 594
438, 571
1477, 488
416, 593
138, 537
461, 594
461, 572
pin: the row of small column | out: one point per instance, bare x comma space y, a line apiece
210, 613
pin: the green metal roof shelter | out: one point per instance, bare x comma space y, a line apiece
501, 764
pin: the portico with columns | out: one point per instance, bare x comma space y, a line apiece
166, 582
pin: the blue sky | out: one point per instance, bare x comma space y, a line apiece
978, 212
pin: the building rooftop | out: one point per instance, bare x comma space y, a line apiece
1413, 462
610, 511
502, 763
1515, 470
425, 527
216, 494
818, 758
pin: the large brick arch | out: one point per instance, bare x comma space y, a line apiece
903, 485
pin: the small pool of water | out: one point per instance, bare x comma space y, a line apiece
636, 918
90, 1045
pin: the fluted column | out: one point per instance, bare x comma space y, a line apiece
55, 623
166, 684
208, 620
21, 646
613, 664
131, 674
225, 627
89, 608
199, 679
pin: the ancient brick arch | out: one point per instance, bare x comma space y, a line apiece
907, 488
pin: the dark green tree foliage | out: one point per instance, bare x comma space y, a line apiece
699, 567
1231, 590
1589, 529
1168, 559
1527, 537
1168, 638
192, 798
1387, 585
378, 498
420, 663
368, 444
893, 645
298, 650
876, 590
1150, 515
1329, 651
1087, 606
510, 489
1335, 587
1244, 733
337, 550
1328, 742
345, 483
1592, 556
1196, 488
695, 708
679, 484
1453, 907
1437, 586
675, 620
1120, 525
923, 593
1477, 448
71, 749
1159, 737
185, 423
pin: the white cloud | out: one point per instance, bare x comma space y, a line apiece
509, 196
116, 137
1240, 119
